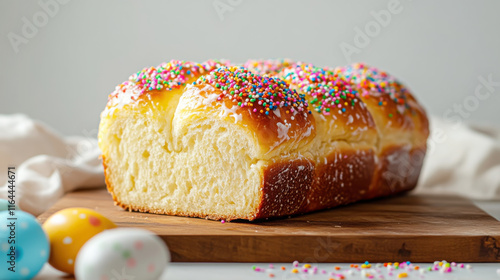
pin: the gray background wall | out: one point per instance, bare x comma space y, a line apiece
62, 72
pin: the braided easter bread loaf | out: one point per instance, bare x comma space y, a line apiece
270, 139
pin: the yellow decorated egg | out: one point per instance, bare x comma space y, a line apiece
68, 230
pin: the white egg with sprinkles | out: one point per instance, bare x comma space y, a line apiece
134, 253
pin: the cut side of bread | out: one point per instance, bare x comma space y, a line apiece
185, 153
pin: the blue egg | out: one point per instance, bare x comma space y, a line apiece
4, 205
23, 251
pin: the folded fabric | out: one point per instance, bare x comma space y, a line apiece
47, 165
461, 160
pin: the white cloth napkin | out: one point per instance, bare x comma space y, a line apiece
47, 165
461, 160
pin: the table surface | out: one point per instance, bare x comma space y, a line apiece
222, 271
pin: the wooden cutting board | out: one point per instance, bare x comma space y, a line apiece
409, 227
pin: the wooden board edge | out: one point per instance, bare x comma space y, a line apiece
319, 249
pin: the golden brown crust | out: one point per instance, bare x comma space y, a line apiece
388, 100
285, 186
388, 113
420, 120
397, 170
339, 112
344, 177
